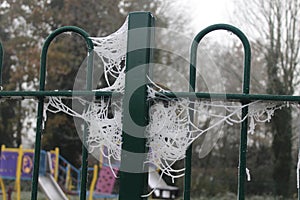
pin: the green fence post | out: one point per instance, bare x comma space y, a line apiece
244, 125
246, 87
1, 63
298, 171
39, 126
133, 172
84, 165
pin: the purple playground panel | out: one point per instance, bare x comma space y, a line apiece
9, 161
8, 164
27, 165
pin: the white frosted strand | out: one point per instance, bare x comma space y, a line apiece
222, 105
298, 168
153, 89
103, 118
210, 114
44, 115
118, 85
168, 171
151, 93
160, 179
238, 119
262, 112
114, 45
227, 121
172, 144
166, 133
154, 188
111, 168
109, 160
160, 151
102, 130
112, 52
252, 126
166, 168
53, 105
248, 174
106, 70
258, 116
148, 194
237, 108
168, 152
57, 103
222, 120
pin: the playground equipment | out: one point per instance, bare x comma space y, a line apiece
3, 190
58, 178
101, 183
17, 164
133, 182
49, 184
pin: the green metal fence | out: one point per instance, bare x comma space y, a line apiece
133, 185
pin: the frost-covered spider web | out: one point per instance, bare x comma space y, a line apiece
174, 123
102, 115
172, 130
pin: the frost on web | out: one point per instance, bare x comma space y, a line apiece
263, 112
103, 119
102, 116
172, 129
174, 123
112, 52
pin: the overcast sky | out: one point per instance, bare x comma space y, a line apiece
208, 12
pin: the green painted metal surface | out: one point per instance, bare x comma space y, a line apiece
246, 87
63, 93
247, 98
40, 111
1, 63
133, 172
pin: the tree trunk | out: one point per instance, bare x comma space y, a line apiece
282, 130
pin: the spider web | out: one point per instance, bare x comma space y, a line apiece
171, 129
174, 123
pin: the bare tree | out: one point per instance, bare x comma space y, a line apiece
274, 29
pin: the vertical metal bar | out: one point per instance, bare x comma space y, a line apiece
244, 125
1, 63
189, 151
298, 170
39, 123
133, 172
84, 166
243, 156
246, 88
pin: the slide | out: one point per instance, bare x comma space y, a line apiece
49, 185
161, 188
51, 188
